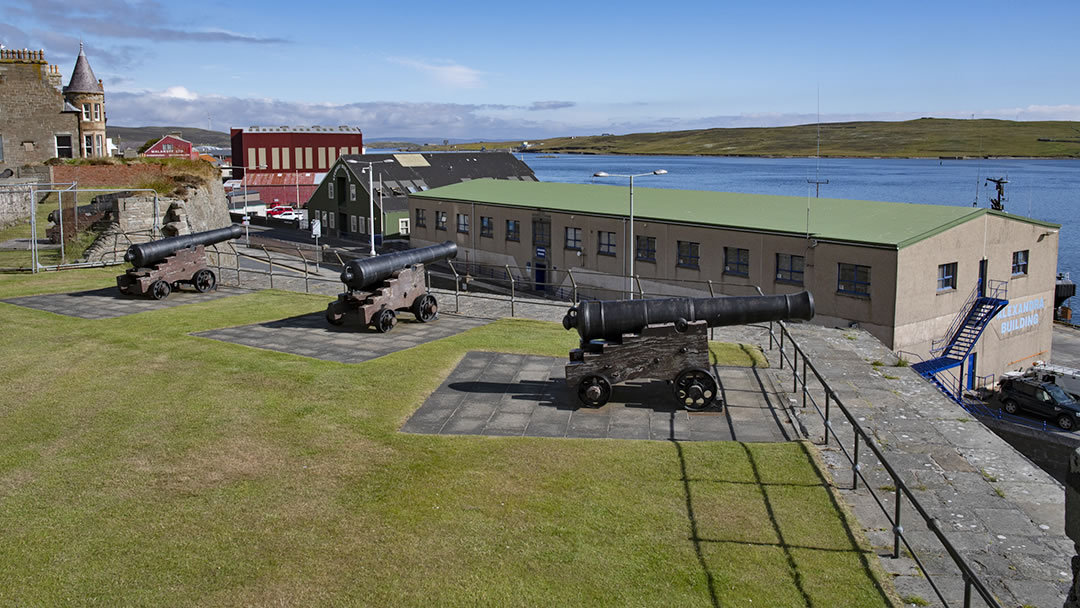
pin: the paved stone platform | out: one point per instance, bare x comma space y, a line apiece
311, 335
109, 303
523, 395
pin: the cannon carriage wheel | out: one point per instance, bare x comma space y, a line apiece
594, 390
204, 280
160, 290
385, 320
426, 308
696, 389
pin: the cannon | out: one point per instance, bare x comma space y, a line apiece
159, 267
665, 339
378, 287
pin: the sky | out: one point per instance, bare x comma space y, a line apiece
529, 70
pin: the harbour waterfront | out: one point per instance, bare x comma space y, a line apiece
1047, 190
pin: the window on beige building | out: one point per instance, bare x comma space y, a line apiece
440, 220
853, 279
487, 226
541, 233
790, 268
421, 221
1020, 263
88, 146
689, 253
463, 223
946, 276
607, 243
573, 238
737, 261
86, 111
645, 248
97, 111
513, 230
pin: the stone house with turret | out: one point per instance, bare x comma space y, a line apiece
42, 119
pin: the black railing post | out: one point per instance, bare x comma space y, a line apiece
828, 425
783, 330
855, 464
898, 529
804, 387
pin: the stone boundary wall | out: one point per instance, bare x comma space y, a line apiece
1049, 450
92, 176
14, 201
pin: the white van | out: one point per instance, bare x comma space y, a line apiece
1065, 377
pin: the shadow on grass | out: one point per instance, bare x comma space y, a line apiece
797, 576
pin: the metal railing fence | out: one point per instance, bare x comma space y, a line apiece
860, 437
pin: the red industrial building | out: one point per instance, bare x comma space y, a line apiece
285, 149
286, 164
172, 146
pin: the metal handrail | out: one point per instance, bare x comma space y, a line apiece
971, 579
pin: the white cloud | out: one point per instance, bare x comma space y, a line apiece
446, 72
179, 92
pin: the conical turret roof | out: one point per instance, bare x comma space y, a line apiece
83, 79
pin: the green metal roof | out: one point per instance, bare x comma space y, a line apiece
869, 222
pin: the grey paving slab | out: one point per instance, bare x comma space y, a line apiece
503, 394
311, 336
109, 303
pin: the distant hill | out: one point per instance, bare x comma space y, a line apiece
922, 138
133, 137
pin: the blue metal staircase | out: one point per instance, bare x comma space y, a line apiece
950, 351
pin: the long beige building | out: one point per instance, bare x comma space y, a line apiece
902, 271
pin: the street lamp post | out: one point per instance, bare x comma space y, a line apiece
247, 238
631, 246
371, 199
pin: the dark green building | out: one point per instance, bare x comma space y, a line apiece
344, 207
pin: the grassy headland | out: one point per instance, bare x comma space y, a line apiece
140, 465
922, 138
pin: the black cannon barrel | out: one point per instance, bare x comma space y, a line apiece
145, 254
363, 273
610, 319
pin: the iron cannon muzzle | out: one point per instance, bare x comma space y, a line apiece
570, 318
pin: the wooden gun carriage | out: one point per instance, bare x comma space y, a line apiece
378, 287
160, 267
665, 339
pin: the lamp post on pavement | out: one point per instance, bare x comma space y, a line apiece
631, 246
247, 238
371, 198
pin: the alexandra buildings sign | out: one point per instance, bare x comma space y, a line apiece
1020, 315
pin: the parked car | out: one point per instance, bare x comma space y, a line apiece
1040, 398
1065, 377
276, 211
287, 215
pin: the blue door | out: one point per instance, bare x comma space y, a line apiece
971, 371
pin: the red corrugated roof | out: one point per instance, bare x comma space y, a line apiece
306, 178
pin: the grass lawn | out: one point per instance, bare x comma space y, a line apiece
142, 466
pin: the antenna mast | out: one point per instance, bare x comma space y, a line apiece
817, 170
998, 204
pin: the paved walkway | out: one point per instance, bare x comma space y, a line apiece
109, 303
1004, 514
519, 395
311, 335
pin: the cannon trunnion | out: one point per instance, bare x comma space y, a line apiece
160, 267
665, 339
378, 287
